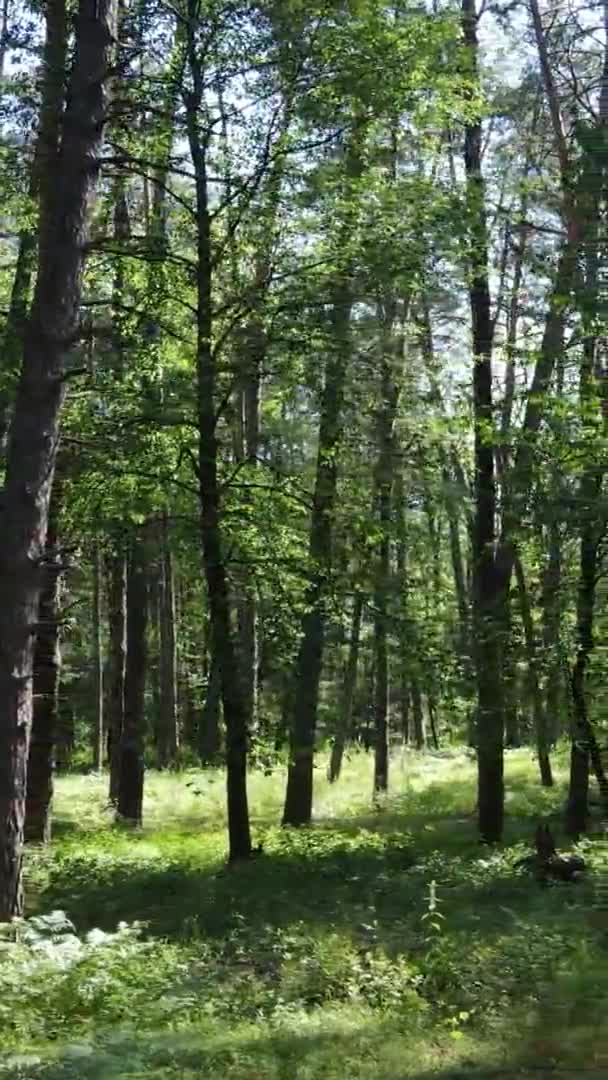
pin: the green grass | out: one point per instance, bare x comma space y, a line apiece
320, 958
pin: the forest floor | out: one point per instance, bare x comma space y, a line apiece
323, 957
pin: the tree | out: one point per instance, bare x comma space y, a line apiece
131, 766
485, 591
51, 328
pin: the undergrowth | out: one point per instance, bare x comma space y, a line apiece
380, 943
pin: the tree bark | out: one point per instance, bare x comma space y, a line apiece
210, 742
348, 691
248, 440
298, 797
168, 736
235, 715
509, 679
98, 719
542, 736
418, 716
51, 328
117, 620
47, 668
47, 141
486, 593
131, 769
390, 362
551, 605
594, 415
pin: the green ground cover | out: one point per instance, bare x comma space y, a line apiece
323, 957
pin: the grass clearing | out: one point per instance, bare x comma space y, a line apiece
320, 958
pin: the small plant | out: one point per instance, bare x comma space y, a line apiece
432, 917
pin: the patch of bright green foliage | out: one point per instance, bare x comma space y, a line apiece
379, 944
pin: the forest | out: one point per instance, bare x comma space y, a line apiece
303, 539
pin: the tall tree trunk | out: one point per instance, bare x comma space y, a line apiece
486, 594
248, 440
405, 696
509, 678
131, 770
309, 661
47, 667
551, 606
168, 719
345, 717
432, 710
542, 736
47, 141
390, 361
594, 413
98, 718
585, 750
51, 328
418, 716
209, 735
117, 620
235, 715
298, 797
405, 680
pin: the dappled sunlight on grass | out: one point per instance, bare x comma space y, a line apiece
316, 959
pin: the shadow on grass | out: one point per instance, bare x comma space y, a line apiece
341, 874
378, 1052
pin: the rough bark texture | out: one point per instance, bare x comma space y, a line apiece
51, 328
348, 691
235, 715
131, 771
47, 667
117, 619
41, 176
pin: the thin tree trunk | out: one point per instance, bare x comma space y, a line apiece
209, 738
309, 661
406, 699
418, 716
98, 719
168, 720
432, 709
585, 750
390, 361
131, 771
542, 738
248, 440
405, 681
298, 797
51, 328
117, 620
486, 593
47, 668
235, 715
551, 606
348, 691
509, 677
